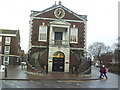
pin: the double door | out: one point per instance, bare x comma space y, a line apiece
58, 65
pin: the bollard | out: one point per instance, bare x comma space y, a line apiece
46, 69
73, 68
5, 72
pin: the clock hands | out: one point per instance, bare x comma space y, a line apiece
59, 13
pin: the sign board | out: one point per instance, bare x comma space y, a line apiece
2, 68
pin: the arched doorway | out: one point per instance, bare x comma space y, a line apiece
58, 62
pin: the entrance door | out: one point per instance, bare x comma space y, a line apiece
58, 38
58, 64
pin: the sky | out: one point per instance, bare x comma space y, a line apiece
102, 15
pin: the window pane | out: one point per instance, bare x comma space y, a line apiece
43, 33
6, 60
7, 49
43, 29
7, 40
73, 34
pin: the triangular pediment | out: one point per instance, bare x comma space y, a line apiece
49, 13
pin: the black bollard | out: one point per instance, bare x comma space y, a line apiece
72, 70
46, 69
5, 72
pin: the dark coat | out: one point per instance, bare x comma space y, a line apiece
102, 70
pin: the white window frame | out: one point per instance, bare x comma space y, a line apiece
7, 51
75, 34
4, 61
0, 39
7, 40
41, 31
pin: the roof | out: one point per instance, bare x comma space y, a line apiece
35, 13
7, 31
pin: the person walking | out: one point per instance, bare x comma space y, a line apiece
103, 72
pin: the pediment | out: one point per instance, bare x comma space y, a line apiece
49, 13
59, 22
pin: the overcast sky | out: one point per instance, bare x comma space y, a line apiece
102, 25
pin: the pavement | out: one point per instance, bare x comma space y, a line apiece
19, 73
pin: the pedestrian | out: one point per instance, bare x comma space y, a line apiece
103, 72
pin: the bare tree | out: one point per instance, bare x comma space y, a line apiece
117, 44
96, 49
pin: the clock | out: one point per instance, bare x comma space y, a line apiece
59, 13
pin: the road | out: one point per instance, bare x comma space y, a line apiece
58, 84
112, 82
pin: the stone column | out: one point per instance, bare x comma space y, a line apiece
50, 61
68, 35
67, 59
50, 37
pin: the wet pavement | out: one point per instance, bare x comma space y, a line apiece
18, 78
18, 73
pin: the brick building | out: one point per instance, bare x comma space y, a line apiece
107, 59
23, 56
9, 46
57, 36
116, 56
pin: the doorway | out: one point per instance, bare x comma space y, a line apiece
58, 62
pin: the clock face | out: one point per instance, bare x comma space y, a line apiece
59, 13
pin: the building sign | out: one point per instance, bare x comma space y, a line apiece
58, 55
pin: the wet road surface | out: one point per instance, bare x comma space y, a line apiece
58, 84
111, 82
